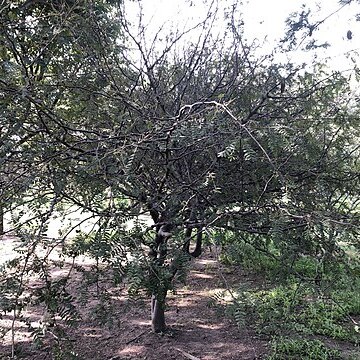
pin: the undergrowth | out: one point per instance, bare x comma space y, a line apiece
288, 349
309, 309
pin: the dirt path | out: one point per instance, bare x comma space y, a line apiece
196, 331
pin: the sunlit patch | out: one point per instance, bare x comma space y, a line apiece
21, 336
58, 273
189, 301
207, 262
211, 326
184, 304
133, 350
139, 322
202, 276
222, 295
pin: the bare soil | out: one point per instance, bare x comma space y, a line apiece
196, 330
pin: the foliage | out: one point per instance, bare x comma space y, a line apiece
305, 349
157, 147
302, 302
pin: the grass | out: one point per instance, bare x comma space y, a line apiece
309, 312
287, 349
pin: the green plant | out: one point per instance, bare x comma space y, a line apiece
296, 349
331, 318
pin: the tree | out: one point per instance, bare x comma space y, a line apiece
185, 144
1, 220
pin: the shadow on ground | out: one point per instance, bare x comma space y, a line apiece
195, 329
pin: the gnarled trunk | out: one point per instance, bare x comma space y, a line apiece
158, 252
158, 314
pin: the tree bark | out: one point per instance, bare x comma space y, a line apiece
158, 314
198, 245
1, 220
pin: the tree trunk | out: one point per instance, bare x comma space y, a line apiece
158, 314
1, 220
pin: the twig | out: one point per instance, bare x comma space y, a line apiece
135, 338
187, 355
13, 335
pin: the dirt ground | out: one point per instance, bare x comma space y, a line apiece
196, 330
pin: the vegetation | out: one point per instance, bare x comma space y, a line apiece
292, 349
161, 146
295, 305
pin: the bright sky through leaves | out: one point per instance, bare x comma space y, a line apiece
265, 23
